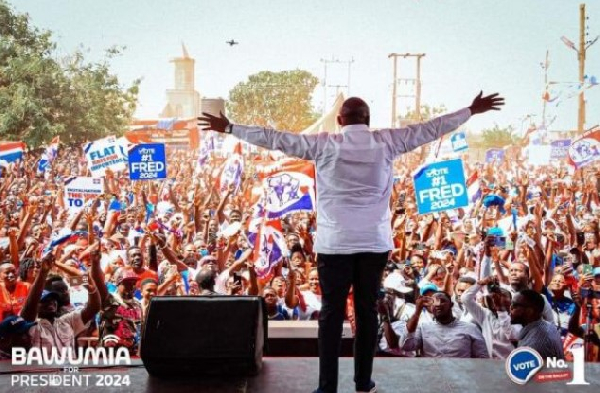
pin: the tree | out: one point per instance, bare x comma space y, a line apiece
498, 137
279, 99
427, 113
42, 97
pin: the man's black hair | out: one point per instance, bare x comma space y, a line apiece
297, 248
534, 299
442, 293
467, 280
25, 265
205, 278
51, 280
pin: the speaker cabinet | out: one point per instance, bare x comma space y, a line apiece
204, 335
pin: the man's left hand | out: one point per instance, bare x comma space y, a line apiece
483, 104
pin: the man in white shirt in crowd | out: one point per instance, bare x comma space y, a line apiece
41, 306
354, 176
446, 336
494, 319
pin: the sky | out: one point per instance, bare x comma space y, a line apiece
470, 45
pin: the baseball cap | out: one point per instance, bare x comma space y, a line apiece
14, 325
495, 231
427, 288
397, 283
596, 271
48, 295
128, 275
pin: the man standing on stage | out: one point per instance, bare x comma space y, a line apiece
354, 172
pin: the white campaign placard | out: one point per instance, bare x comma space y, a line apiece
107, 153
80, 190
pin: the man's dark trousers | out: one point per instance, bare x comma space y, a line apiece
337, 272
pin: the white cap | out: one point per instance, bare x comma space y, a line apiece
396, 282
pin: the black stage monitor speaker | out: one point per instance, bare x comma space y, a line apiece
204, 335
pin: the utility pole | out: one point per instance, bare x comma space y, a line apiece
581, 114
325, 86
395, 56
545, 66
584, 44
394, 89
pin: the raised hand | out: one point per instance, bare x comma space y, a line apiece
210, 122
483, 104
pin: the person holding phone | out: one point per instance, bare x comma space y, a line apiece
432, 338
355, 181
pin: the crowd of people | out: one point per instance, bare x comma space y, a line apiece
520, 266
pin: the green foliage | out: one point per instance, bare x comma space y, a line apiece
42, 97
498, 137
281, 99
427, 113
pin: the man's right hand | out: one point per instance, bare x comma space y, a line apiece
423, 301
483, 104
210, 122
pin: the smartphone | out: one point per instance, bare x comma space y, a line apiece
237, 279
76, 280
580, 238
587, 269
500, 242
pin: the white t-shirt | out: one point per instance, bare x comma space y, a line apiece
60, 334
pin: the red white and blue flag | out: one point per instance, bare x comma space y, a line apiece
206, 148
289, 187
473, 189
269, 248
62, 237
231, 172
49, 154
11, 151
585, 150
256, 220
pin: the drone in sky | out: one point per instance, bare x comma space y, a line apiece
232, 42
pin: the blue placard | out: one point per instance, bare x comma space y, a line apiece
148, 161
459, 142
560, 149
494, 155
441, 186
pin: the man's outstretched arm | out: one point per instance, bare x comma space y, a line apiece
297, 145
407, 139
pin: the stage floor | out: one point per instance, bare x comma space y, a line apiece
291, 375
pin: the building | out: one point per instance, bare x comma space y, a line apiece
183, 100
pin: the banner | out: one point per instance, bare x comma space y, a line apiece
148, 161
80, 190
560, 149
289, 187
494, 155
107, 153
459, 141
585, 150
441, 186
